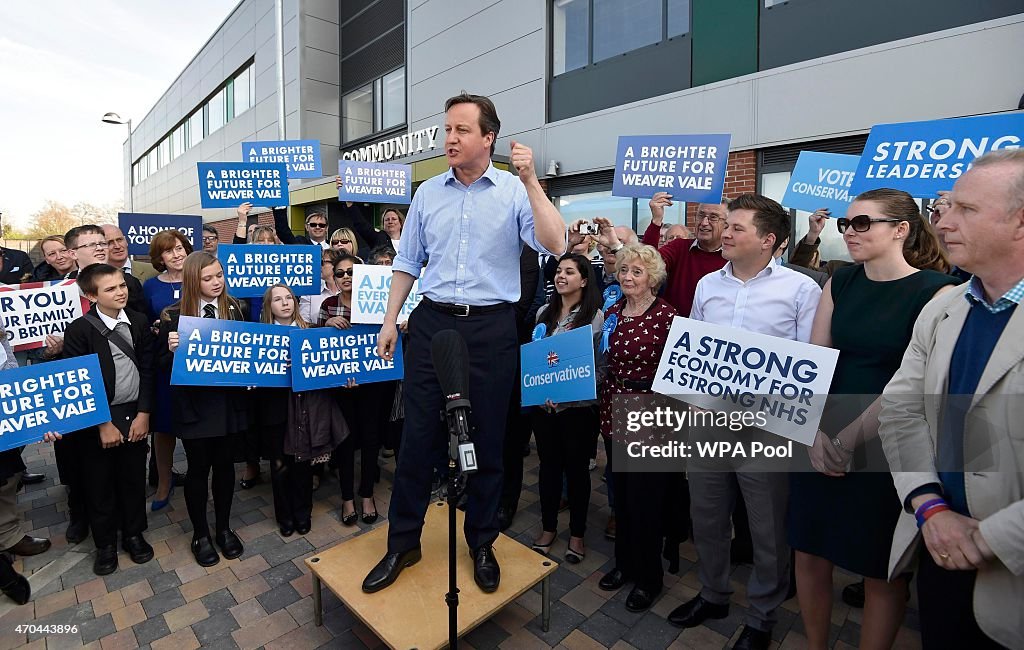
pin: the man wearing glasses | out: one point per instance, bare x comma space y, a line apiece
90, 245
117, 255
211, 240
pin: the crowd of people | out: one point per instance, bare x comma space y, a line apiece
925, 310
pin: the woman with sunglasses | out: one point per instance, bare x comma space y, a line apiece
843, 508
343, 240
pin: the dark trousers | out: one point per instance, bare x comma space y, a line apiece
206, 455
564, 442
493, 350
362, 409
293, 490
946, 600
71, 471
639, 508
517, 433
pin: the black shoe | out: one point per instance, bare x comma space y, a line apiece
204, 552
612, 580
287, 529
303, 528
77, 531
138, 548
14, 585
31, 478
751, 639
250, 483
29, 545
486, 572
505, 517
387, 570
229, 544
695, 612
106, 560
370, 517
350, 518
640, 599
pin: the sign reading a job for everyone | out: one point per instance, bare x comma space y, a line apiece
34, 310
689, 167
228, 184
251, 269
58, 396
559, 368
374, 182
215, 352
371, 286
300, 157
139, 229
922, 158
821, 180
727, 370
326, 357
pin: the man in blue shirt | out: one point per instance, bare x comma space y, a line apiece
465, 230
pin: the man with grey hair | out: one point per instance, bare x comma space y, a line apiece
950, 423
677, 231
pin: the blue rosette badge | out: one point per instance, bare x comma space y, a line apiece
609, 326
611, 296
539, 332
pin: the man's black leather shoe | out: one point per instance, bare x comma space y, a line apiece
28, 545
31, 478
387, 570
204, 552
14, 585
486, 571
106, 560
751, 639
612, 580
138, 548
229, 544
695, 612
77, 531
640, 599
303, 528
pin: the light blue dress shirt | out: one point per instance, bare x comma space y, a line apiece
469, 237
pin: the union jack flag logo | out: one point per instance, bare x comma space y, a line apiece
552, 358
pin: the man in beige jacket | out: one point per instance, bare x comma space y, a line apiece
952, 423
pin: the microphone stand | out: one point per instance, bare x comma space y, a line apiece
457, 426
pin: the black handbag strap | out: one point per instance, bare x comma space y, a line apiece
117, 340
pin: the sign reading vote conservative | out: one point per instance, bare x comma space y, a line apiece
371, 285
374, 182
325, 357
59, 396
34, 310
300, 157
214, 352
821, 180
689, 167
250, 269
922, 158
727, 370
139, 229
226, 185
559, 368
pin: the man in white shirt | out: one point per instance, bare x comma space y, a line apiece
753, 293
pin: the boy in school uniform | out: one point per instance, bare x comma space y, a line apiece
115, 452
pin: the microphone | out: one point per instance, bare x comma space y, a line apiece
451, 363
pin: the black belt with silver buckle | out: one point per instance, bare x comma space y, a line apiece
463, 310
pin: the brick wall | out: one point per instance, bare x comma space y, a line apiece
740, 178
226, 227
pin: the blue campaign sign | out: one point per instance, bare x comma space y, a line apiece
215, 352
250, 269
821, 180
301, 157
689, 167
922, 158
60, 396
140, 228
227, 185
326, 357
559, 368
374, 182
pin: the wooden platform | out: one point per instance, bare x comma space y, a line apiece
412, 612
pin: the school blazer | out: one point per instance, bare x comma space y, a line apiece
81, 338
912, 406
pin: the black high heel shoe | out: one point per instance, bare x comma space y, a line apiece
371, 517
349, 519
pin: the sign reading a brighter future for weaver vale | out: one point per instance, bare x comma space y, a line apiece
821, 180
229, 184
727, 369
34, 310
216, 352
374, 182
559, 368
301, 157
139, 229
371, 285
251, 269
689, 167
326, 357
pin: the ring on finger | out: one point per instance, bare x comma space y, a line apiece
944, 556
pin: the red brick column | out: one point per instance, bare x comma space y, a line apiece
740, 178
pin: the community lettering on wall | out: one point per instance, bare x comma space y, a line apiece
140, 228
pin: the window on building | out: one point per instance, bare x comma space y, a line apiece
215, 111
165, 152
624, 25
571, 31
195, 128
135, 174
357, 113
152, 161
678, 17
596, 204
143, 169
178, 141
393, 99
241, 88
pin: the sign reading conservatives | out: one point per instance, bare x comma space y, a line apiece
559, 368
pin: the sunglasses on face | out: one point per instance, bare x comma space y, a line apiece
861, 223
338, 242
343, 273
316, 225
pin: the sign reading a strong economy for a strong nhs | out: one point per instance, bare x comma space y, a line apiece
922, 158
31, 311
374, 182
689, 167
216, 352
371, 285
140, 228
251, 269
229, 184
727, 369
821, 180
60, 396
301, 157
326, 357
559, 368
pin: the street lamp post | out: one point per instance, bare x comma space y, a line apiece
114, 118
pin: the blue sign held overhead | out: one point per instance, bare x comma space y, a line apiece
140, 228
251, 269
326, 357
301, 157
922, 158
215, 352
374, 182
821, 180
227, 185
559, 368
60, 396
689, 167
